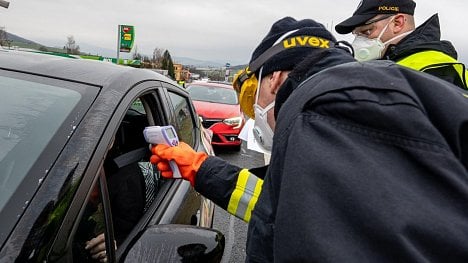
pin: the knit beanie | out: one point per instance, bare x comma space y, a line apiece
300, 38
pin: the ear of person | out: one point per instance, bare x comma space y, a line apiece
277, 79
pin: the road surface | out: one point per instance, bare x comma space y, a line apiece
234, 229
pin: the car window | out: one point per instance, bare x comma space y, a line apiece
137, 106
30, 115
213, 94
184, 120
133, 182
91, 225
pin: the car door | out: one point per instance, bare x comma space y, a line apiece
164, 201
91, 184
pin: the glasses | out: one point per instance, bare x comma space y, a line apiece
368, 27
377, 19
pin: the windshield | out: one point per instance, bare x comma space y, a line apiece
213, 94
30, 115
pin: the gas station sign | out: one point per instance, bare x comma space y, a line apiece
127, 36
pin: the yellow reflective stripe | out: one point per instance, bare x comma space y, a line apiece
432, 59
238, 191
245, 195
423, 59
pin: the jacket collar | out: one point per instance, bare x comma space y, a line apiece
424, 37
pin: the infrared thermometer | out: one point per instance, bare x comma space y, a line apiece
164, 135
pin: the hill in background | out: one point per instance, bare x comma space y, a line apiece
15, 40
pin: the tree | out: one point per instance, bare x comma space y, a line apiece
135, 54
167, 63
157, 57
4, 38
71, 47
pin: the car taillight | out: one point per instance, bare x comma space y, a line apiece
236, 122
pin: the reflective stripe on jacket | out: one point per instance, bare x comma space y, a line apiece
245, 195
431, 59
230, 187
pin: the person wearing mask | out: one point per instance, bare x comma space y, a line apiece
385, 29
367, 163
234, 188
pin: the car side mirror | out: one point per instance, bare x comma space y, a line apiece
177, 243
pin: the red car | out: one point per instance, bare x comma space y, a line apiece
218, 106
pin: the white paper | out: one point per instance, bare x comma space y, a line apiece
247, 135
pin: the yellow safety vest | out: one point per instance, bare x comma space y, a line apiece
432, 59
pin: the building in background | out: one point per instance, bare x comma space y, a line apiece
181, 74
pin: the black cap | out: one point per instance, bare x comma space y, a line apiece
281, 59
367, 9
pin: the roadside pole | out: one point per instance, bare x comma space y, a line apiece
227, 73
118, 43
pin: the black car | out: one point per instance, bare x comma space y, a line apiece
74, 164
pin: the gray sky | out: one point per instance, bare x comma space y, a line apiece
205, 29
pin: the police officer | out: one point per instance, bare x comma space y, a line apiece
386, 30
367, 163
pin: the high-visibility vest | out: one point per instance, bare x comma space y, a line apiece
432, 59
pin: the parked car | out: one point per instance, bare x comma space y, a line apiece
72, 148
217, 104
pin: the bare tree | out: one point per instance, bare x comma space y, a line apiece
158, 57
71, 47
135, 54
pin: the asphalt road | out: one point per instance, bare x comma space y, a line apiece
234, 229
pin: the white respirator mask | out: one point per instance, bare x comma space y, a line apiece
262, 131
366, 49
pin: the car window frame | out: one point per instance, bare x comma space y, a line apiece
167, 87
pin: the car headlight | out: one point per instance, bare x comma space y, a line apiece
236, 122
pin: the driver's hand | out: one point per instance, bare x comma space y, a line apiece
97, 248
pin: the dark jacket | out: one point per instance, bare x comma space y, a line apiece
368, 165
423, 38
230, 187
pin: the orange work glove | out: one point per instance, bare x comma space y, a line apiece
186, 158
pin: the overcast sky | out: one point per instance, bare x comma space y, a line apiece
216, 30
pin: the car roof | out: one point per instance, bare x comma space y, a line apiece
92, 72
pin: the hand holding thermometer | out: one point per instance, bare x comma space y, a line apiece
163, 135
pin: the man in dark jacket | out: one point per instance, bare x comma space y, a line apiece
368, 164
385, 29
231, 187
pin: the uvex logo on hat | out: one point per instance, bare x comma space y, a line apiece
306, 41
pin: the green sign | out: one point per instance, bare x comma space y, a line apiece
127, 35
